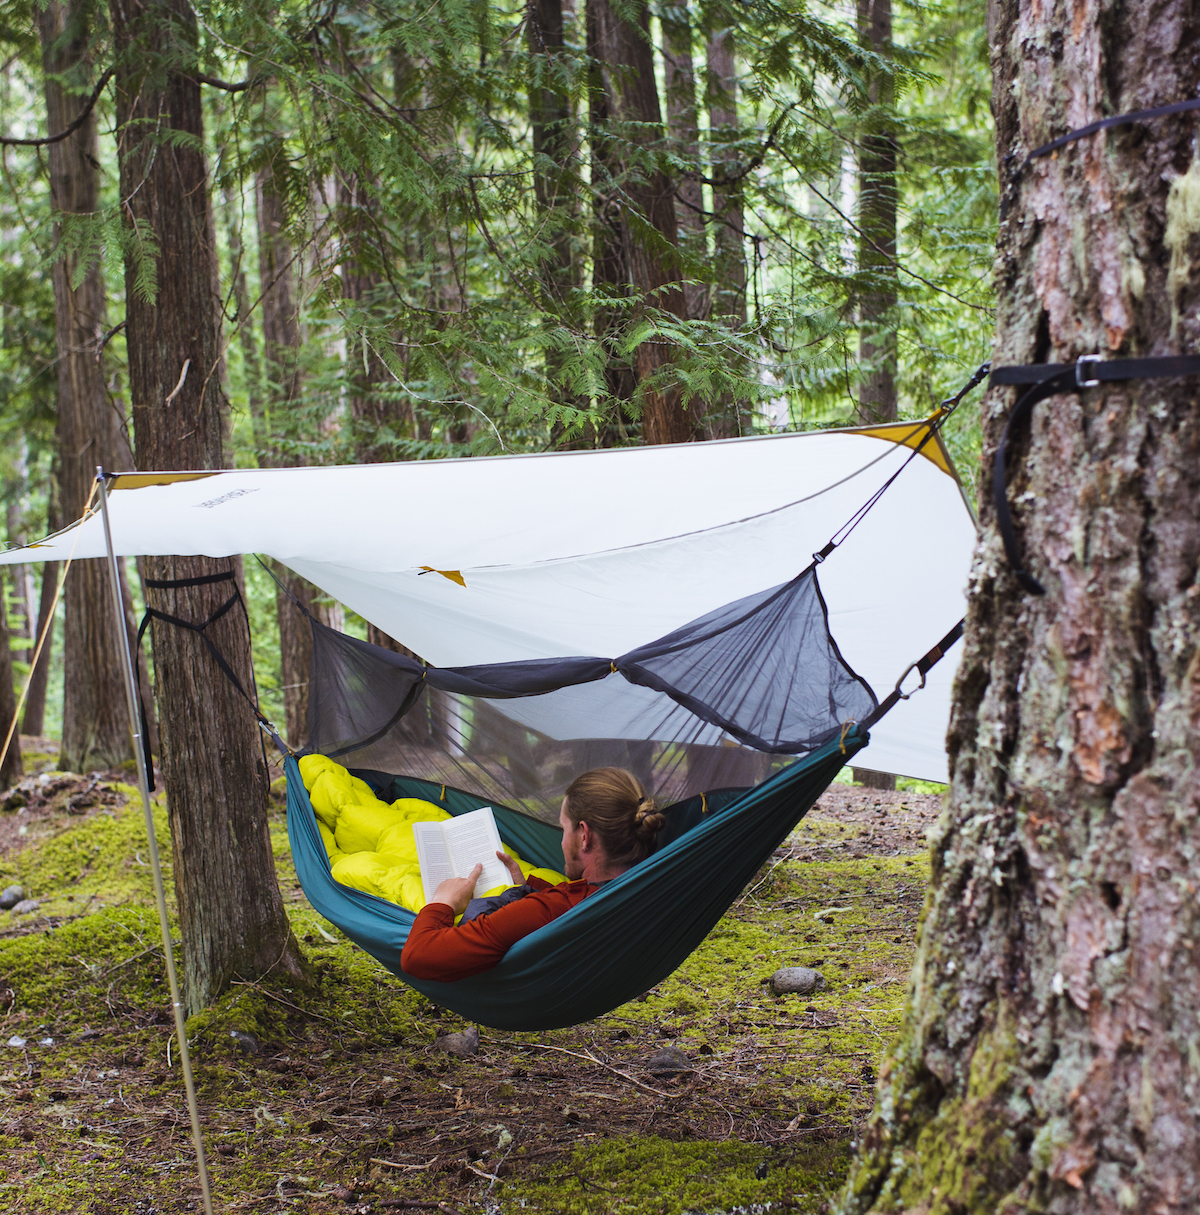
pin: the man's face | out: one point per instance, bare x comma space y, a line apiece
572, 844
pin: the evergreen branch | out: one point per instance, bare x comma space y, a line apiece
731, 179
201, 78
9, 142
890, 257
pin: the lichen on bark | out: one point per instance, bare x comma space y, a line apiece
1048, 1059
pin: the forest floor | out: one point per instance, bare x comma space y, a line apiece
336, 1098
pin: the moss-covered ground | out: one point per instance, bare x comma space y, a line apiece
338, 1100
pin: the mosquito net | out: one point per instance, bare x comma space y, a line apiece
721, 702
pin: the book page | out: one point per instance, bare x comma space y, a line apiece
432, 856
473, 839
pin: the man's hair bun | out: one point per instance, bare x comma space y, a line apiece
615, 806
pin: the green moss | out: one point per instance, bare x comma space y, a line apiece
102, 858
969, 1152
634, 1175
93, 969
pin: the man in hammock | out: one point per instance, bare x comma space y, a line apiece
608, 823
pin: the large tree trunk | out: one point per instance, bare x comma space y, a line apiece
231, 914
619, 41
729, 226
95, 731
1048, 1060
877, 207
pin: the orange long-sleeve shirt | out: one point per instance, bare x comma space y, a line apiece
440, 950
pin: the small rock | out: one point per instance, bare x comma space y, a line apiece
798, 979
10, 896
246, 1043
466, 1043
25, 906
669, 1059
17, 1041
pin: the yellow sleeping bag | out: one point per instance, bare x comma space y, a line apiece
369, 843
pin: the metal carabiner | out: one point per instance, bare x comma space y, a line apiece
912, 666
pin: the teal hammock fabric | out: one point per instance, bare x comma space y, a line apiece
616, 944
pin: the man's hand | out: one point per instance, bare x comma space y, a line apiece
457, 892
514, 870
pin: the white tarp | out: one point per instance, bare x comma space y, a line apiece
597, 552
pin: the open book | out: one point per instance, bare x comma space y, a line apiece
453, 847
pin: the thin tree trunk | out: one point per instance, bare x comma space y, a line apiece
878, 200
1048, 1058
556, 183
280, 318
683, 126
246, 332
95, 731
10, 764
34, 719
619, 41
877, 210
231, 913
729, 224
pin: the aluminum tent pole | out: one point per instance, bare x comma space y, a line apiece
155, 864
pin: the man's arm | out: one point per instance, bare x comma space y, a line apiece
437, 949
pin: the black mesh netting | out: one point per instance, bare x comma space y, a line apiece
721, 702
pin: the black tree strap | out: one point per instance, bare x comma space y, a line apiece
1118, 120
1053, 379
174, 584
922, 667
234, 600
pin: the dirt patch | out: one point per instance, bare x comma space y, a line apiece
856, 822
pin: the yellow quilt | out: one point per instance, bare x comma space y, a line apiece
370, 844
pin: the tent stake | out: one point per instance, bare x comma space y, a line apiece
155, 863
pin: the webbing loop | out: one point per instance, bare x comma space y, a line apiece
222, 662
1055, 379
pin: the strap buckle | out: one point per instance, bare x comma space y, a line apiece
1080, 382
912, 666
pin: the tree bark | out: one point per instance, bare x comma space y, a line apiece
232, 920
636, 198
878, 202
95, 730
1048, 1060
729, 225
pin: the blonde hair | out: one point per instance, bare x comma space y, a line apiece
618, 811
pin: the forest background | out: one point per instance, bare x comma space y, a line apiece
466, 228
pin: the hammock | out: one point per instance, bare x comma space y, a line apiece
614, 945
758, 680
